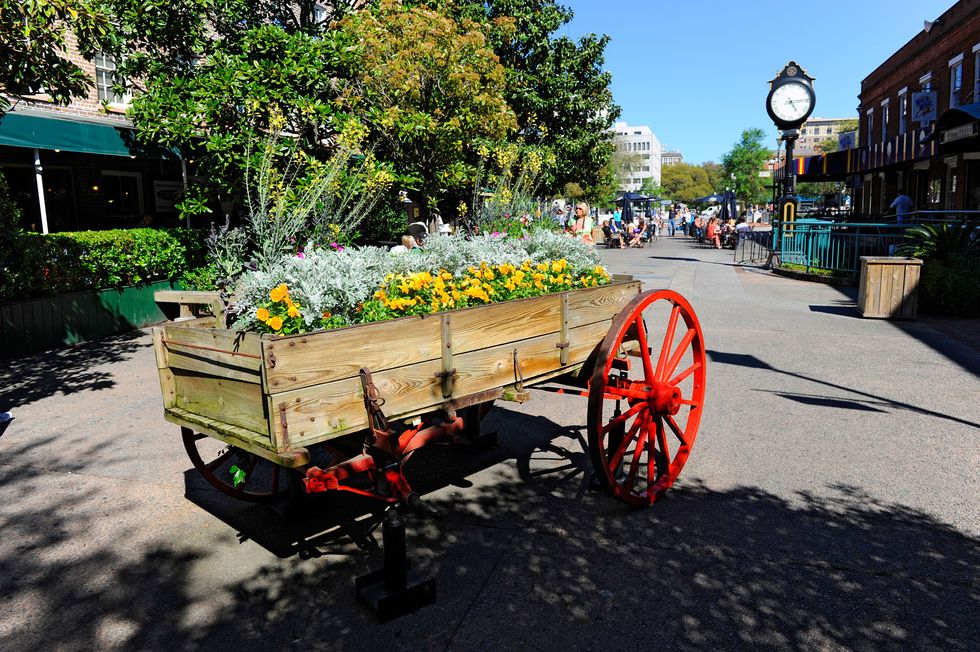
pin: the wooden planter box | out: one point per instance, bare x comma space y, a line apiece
276, 395
889, 287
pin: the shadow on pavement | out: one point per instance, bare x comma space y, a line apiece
524, 559
753, 362
79, 368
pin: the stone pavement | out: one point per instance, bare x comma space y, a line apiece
832, 501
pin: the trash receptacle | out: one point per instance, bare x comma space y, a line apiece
889, 287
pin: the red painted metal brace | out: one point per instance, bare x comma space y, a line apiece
383, 449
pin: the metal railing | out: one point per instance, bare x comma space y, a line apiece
753, 246
837, 247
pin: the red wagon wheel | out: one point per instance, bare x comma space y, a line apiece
234, 471
644, 412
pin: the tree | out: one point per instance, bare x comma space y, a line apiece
34, 38
745, 160
684, 182
828, 145
429, 88
650, 187
210, 77
556, 87
716, 175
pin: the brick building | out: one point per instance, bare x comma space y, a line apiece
919, 128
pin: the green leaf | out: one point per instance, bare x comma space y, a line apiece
237, 475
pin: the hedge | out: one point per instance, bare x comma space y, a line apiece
33, 265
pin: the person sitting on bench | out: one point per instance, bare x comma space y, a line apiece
614, 236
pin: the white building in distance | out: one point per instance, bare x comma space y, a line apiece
639, 142
671, 158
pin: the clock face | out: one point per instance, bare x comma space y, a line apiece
790, 102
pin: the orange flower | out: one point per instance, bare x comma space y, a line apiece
293, 311
275, 323
262, 315
279, 293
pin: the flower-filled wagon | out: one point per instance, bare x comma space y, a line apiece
295, 397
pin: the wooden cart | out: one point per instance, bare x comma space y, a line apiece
318, 411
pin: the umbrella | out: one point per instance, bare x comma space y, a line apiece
633, 196
627, 210
710, 198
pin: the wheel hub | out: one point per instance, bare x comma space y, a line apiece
664, 399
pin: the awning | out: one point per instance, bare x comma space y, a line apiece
959, 124
34, 130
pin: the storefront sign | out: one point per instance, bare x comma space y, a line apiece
924, 106
958, 133
166, 194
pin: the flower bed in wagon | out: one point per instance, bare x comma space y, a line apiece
326, 288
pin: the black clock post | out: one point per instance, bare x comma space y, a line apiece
790, 102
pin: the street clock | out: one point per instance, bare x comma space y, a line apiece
791, 98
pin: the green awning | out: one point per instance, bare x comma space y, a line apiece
20, 129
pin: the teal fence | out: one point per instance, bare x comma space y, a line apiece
838, 246
51, 322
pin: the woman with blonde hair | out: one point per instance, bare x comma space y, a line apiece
583, 222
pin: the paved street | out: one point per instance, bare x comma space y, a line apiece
832, 501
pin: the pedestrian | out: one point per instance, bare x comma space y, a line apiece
672, 221
902, 206
583, 222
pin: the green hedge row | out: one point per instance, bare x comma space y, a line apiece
33, 265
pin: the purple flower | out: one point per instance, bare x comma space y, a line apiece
337, 246
300, 254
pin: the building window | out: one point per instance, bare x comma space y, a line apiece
122, 195
105, 77
884, 121
319, 14
955, 83
903, 110
871, 124
976, 74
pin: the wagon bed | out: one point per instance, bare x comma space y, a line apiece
277, 397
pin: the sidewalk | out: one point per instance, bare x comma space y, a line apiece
832, 501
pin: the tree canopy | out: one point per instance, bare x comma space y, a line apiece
430, 88
684, 182
745, 160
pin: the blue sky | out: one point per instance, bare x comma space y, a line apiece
695, 71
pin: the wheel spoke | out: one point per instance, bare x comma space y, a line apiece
676, 380
622, 418
641, 335
218, 461
617, 457
620, 393
677, 431
679, 353
668, 342
685, 401
652, 459
662, 439
635, 463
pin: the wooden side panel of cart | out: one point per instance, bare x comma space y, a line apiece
276, 394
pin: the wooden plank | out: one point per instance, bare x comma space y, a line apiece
509, 321
229, 348
895, 307
599, 303
308, 360
225, 400
245, 439
884, 291
863, 286
190, 360
874, 290
332, 409
337, 407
